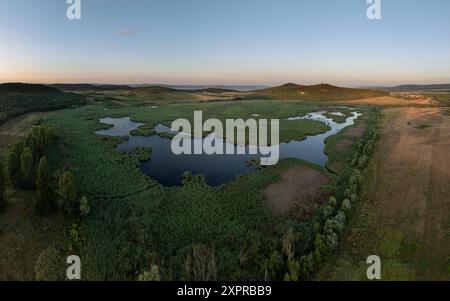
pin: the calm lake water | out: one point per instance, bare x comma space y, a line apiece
168, 168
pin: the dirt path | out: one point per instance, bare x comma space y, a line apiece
405, 212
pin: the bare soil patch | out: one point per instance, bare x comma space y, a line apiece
298, 192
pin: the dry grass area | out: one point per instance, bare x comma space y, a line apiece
298, 192
393, 101
16, 128
404, 216
208, 96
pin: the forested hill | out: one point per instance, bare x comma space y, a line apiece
321, 92
19, 98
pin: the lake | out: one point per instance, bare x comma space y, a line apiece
168, 168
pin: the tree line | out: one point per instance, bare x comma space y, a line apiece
27, 168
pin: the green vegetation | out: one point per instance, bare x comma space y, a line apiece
17, 99
343, 148
66, 193
141, 153
85, 210
132, 218
26, 168
264, 109
44, 198
127, 227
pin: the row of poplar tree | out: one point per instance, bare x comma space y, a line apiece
27, 168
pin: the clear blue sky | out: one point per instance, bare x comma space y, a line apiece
225, 42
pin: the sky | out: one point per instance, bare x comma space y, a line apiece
227, 42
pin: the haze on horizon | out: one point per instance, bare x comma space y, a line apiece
225, 42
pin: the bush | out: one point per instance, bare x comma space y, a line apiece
50, 265
153, 275
332, 202
84, 207
346, 205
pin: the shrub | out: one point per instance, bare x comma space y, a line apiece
85, 210
327, 211
332, 202
153, 275
346, 205
50, 265
293, 270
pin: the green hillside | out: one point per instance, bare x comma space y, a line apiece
18, 98
321, 92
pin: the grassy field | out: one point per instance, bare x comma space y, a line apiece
404, 212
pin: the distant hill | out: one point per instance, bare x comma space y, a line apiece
26, 88
89, 87
224, 88
18, 98
138, 88
321, 92
415, 88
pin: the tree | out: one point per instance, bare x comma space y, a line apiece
320, 249
201, 264
26, 167
44, 203
48, 136
293, 270
66, 193
85, 210
13, 164
2, 185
